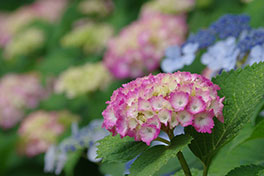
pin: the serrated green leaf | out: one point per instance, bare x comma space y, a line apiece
249, 170
243, 90
154, 158
115, 149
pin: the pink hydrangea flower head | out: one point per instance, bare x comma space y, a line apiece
147, 105
17, 93
40, 130
139, 47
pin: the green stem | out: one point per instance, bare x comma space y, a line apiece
205, 171
163, 140
184, 164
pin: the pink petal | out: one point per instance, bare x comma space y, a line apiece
121, 127
154, 121
109, 117
203, 122
196, 105
185, 118
159, 103
179, 100
148, 133
217, 106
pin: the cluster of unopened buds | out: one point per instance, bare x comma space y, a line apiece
147, 105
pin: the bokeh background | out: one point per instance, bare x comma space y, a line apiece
61, 60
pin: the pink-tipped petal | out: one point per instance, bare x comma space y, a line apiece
185, 118
164, 116
217, 107
122, 127
196, 105
110, 118
203, 122
148, 133
179, 100
154, 121
159, 103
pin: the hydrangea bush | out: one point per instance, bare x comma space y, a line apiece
139, 47
18, 93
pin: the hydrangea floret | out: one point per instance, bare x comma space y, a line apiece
147, 105
139, 47
228, 43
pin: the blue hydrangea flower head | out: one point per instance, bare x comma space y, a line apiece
204, 38
230, 25
253, 38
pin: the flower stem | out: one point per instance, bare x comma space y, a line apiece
184, 164
205, 171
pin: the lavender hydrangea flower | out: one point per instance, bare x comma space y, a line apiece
174, 54
229, 42
222, 55
256, 55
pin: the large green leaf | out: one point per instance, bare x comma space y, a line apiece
115, 149
258, 132
247, 153
249, 170
243, 90
152, 160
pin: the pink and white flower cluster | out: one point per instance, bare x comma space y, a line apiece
18, 92
143, 107
41, 129
139, 47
